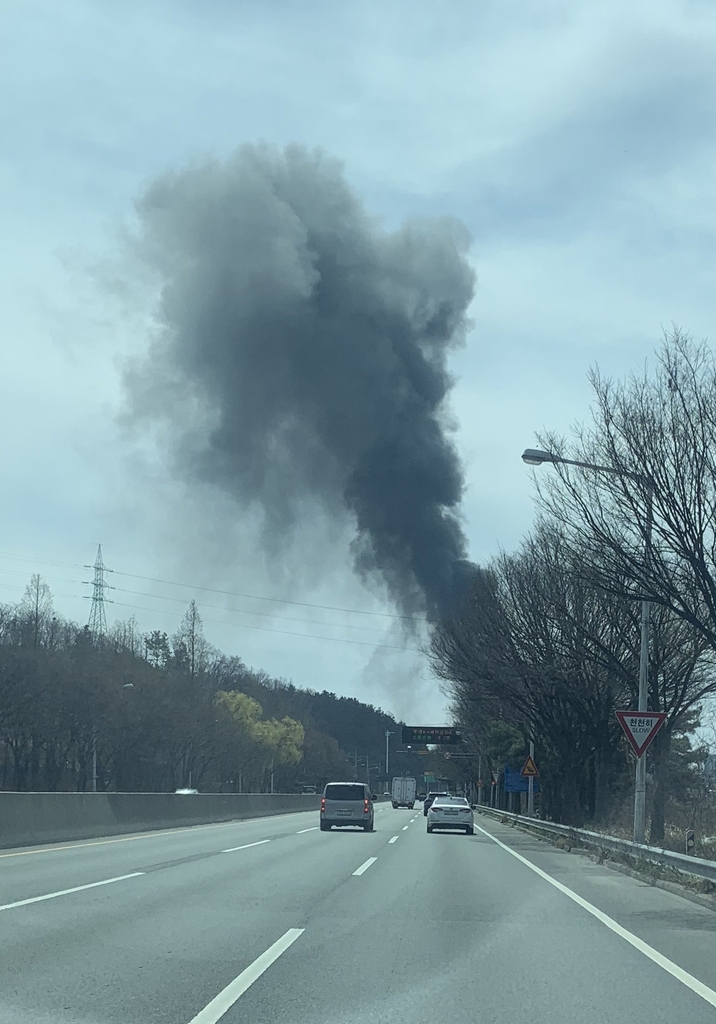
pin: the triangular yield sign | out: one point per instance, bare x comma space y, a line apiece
641, 727
529, 769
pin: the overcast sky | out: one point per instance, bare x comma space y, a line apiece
575, 141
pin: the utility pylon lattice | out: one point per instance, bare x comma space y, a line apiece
97, 622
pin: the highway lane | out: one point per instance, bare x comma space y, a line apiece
164, 942
75, 863
348, 928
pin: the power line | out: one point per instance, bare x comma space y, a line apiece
247, 611
238, 625
43, 561
102, 585
283, 632
275, 600
54, 579
182, 600
225, 593
235, 625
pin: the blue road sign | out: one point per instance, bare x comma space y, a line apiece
515, 783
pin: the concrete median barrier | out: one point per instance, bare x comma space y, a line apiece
33, 819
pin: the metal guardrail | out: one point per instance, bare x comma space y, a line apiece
596, 840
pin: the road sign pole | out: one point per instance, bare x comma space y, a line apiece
531, 787
640, 783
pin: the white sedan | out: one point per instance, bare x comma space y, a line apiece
451, 812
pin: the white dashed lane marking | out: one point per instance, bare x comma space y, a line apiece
246, 846
364, 867
220, 1004
67, 892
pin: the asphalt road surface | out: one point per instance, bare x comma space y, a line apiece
272, 920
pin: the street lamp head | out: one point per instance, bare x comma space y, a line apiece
535, 457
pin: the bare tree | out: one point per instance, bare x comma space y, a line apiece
541, 646
647, 530
190, 645
37, 608
523, 651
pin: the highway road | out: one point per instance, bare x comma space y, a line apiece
272, 920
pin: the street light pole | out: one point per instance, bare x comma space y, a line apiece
640, 784
388, 734
535, 457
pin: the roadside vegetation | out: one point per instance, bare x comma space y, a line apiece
547, 646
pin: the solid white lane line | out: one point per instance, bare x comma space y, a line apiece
669, 966
394, 839
246, 846
122, 839
302, 830
405, 828
66, 892
364, 867
219, 1005
143, 835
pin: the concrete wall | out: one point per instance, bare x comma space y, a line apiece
29, 819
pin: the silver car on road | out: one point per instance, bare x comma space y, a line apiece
347, 803
452, 812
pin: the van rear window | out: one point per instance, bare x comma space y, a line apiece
338, 792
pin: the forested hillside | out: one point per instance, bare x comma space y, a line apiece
155, 712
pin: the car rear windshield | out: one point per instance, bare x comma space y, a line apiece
340, 792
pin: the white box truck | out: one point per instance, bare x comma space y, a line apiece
403, 792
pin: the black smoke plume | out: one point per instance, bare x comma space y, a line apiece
301, 357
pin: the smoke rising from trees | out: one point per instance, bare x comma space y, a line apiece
301, 355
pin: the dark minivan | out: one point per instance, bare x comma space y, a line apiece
429, 799
346, 803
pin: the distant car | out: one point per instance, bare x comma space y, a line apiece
386, 794
429, 799
453, 812
186, 792
347, 803
308, 790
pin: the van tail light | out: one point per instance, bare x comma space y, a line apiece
366, 807
323, 804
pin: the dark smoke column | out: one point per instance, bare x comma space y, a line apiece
302, 357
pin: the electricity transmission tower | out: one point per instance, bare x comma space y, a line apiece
97, 622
